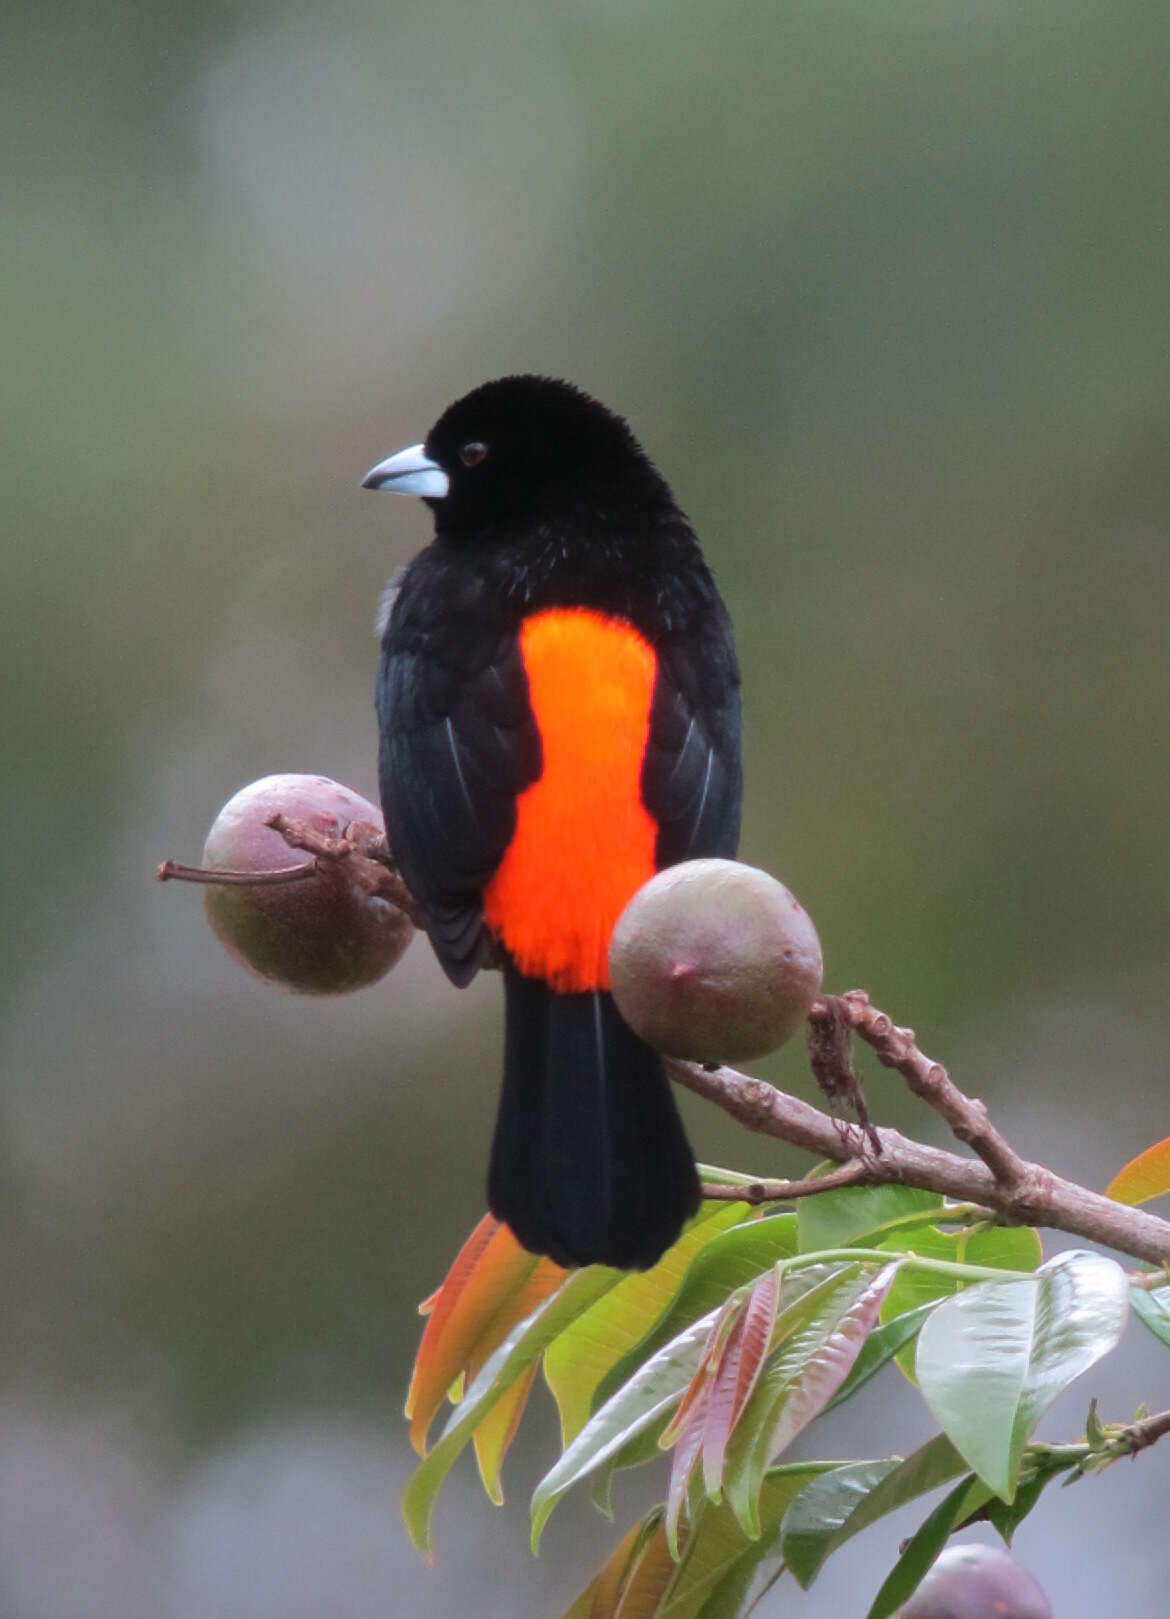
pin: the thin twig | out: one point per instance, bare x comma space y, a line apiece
854, 1173
1141, 1435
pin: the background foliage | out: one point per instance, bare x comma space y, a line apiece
883, 291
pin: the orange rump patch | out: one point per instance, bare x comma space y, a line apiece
584, 841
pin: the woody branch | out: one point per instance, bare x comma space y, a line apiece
997, 1182
1010, 1188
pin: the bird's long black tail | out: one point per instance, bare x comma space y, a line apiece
590, 1162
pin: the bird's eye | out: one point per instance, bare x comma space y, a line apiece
472, 454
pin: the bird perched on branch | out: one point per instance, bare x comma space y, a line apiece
558, 703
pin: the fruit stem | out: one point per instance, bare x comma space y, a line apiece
171, 871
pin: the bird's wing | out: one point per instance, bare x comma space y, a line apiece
692, 774
458, 745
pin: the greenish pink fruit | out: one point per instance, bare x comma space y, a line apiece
322, 935
977, 1582
714, 961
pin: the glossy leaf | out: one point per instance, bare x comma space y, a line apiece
644, 1446
1008, 1248
1144, 1177
648, 1397
992, 1359
580, 1359
815, 1343
729, 1261
1152, 1308
924, 1545
846, 1501
520, 1350
860, 1213
882, 1346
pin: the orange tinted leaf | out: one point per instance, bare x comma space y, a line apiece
498, 1428
465, 1261
497, 1431
442, 1301
490, 1268
737, 1376
649, 1576
600, 1596
634, 1578
1144, 1177
543, 1279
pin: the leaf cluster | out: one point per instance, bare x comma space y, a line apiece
747, 1330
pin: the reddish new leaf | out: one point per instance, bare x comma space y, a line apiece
737, 1376
686, 1455
696, 1391
1144, 1177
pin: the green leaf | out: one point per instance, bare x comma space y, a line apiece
730, 1260
810, 1524
578, 1361
1010, 1248
718, 1560
1007, 1516
642, 1448
992, 1359
842, 1504
924, 1546
648, 1396
817, 1340
881, 1347
837, 1219
1152, 1308
524, 1344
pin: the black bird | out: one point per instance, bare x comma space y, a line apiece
559, 713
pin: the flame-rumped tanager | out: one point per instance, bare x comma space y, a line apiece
559, 713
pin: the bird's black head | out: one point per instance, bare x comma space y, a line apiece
520, 448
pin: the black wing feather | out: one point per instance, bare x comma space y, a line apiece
459, 743
692, 774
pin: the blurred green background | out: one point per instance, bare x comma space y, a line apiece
883, 290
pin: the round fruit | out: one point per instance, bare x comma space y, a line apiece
321, 935
977, 1582
714, 961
